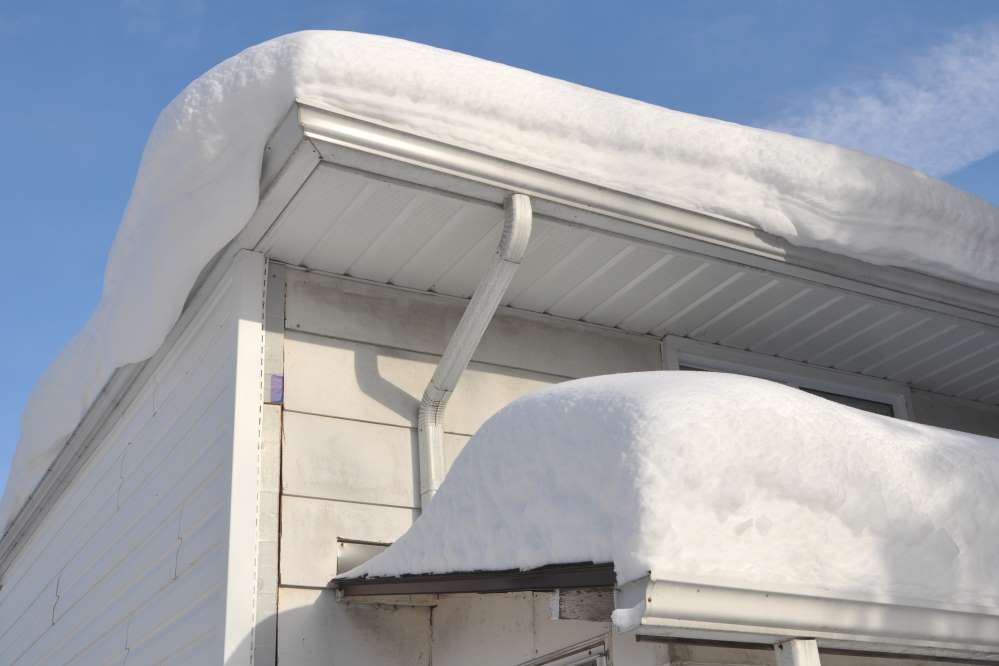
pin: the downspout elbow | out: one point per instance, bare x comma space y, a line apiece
485, 300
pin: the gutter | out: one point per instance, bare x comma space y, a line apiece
662, 610
465, 339
361, 144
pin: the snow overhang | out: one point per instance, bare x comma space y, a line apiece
733, 509
351, 197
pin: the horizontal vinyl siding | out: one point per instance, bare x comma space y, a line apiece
129, 567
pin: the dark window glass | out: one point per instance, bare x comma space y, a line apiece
867, 405
872, 406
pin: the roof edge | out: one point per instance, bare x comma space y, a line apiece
709, 611
362, 144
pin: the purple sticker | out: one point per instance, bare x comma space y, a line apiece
277, 389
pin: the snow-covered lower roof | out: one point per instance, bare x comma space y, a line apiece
709, 477
197, 186
723, 481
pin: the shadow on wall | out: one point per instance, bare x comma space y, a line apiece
316, 630
375, 386
483, 630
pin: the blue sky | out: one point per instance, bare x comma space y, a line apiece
84, 82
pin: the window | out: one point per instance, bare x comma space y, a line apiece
873, 395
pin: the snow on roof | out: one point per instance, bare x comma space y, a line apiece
197, 186
705, 477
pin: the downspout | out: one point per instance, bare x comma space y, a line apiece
486, 299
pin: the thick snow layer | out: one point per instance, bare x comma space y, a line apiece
198, 180
713, 477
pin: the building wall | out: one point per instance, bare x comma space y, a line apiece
131, 562
502, 630
356, 360
954, 413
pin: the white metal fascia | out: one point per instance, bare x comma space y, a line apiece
717, 612
356, 143
465, 339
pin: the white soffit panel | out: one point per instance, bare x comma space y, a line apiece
347, 222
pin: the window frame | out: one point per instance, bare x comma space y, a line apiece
679, 351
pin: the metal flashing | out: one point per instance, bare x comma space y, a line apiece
559, 576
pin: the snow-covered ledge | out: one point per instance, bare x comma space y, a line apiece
732, 509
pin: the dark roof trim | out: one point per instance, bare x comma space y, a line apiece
559, 576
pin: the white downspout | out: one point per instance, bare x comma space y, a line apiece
486, 299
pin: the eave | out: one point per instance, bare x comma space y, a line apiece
355, 143
313, 142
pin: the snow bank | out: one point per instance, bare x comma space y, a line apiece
707, 476
197, 186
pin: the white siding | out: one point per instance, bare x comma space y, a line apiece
356, 360
129, 566
504, 629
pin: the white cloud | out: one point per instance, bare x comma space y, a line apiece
938, 114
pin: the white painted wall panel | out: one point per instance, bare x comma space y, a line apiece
316, 630
500, 630
350, 460
349, 310
382, 385
310, 528
129, 566
495, 630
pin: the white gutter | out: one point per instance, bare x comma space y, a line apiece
486, 299
722, 612
358, 143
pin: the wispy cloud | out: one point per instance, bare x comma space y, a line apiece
939, 113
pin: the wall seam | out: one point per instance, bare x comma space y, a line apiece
260, 444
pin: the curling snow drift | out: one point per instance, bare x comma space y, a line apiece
709, 477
